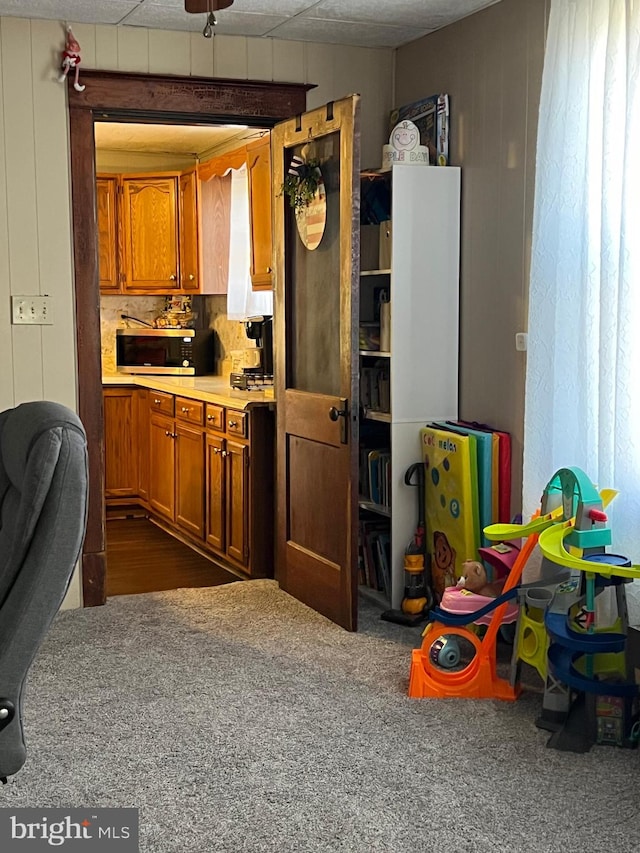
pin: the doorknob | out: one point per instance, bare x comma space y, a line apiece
342, 412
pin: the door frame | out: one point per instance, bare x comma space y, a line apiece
121, 96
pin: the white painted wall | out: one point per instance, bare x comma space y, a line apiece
35, 204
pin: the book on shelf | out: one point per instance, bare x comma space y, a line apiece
375, 475
374, 555
375, 387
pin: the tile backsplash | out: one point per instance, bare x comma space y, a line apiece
230, 334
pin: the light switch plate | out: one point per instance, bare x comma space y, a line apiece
31, 310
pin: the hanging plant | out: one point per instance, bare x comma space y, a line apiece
301, 182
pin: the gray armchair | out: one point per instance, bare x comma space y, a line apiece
43, 507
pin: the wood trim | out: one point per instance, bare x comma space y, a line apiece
136, 97
216, 167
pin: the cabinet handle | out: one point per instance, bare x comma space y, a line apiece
172, 278
170, 434
185, 409
191, 277
233, 424
157, 402
217, 450
225, 452
211, 417
269, 270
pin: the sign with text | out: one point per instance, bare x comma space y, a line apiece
86, 830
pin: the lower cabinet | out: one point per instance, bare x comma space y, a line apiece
227, 498
120, 445
207, 471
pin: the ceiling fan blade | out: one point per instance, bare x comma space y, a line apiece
203, 6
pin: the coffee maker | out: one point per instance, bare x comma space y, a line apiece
257, 372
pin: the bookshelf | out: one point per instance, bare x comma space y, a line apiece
414, 260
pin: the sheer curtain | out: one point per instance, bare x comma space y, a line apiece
242, 301
582, 404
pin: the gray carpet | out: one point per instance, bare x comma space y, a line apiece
236, 719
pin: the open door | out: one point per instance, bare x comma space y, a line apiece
316, 331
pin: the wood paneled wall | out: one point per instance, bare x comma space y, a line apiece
490, 64
39, 362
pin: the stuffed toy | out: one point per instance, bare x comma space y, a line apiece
71, 59
474, 579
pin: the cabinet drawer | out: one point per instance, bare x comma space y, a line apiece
215, 417
237, 423
190, 410
161, 402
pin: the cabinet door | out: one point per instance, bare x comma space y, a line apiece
120, 450
190, 479
215, 494
150, 234
141, 397
259, 172
106, 199
237, 471
162, 477
189, 278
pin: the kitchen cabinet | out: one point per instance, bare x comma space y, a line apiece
260, 213
107, 220
188, 221
227, 486
162, 471
148, 227
176, 459
239, 487
408, 372
120, 448
143, 416
150, 234
205, 471
190, 470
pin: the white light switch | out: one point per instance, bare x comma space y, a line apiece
521, 341
31, 310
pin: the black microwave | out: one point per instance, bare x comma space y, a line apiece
181, 352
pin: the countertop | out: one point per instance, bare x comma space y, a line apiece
209, 389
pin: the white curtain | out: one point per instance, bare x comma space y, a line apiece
582, 403
242, 301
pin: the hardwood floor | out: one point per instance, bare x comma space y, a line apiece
143, 558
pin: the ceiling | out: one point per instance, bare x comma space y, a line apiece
364, 23
195, 140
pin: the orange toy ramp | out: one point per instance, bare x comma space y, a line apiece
453, 663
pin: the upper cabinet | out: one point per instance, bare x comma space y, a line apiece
188, 218
168, 232
148, 233
106, 195
259, 174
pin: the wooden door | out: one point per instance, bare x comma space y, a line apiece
150, 234
120, 447
237, 467
260, 210
215, 501
107, 222
316, 313
162, 471
190, 479
189, 277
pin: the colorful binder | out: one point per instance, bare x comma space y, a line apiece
451, 503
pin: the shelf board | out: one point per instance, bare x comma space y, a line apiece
363, 503
375, 353
375, 272
385, 417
